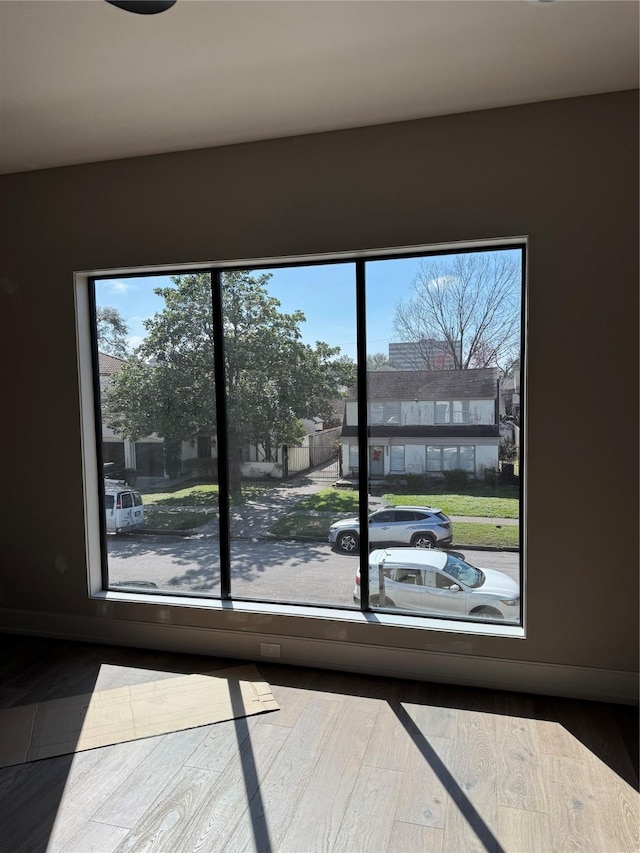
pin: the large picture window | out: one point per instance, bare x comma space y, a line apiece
218, 389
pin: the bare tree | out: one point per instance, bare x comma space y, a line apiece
377, 360
467, 306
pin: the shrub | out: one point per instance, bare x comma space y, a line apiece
404, 484
455, 480
508, 450
490, 476
205, 468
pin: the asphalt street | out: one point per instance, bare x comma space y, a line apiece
263, 569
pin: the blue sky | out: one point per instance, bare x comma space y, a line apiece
325, 294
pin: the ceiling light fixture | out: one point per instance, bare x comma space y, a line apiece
143, 7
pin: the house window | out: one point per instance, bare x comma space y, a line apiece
442, 412
467, 458
392, 413
482, 411
376, 413
451, 458
460, 411
353, 457
397, 458
384, 413
232, 365
434, 458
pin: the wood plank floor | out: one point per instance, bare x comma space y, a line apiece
350, 763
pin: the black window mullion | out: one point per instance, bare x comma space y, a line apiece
222, 436
363, 430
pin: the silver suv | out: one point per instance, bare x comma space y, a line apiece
418, 526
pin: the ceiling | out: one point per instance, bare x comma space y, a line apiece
82, 81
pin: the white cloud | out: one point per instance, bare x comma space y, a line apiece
134, 341
118, 286
443, 281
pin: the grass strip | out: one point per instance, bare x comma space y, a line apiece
340, 501
470, 533
313, 528
206, 496
201, 495
180, 519
330, 500
473, 505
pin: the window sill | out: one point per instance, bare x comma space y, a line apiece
384, 620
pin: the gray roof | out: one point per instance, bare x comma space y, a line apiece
480, 384
108, 364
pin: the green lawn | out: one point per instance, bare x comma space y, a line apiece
470, 533
340, 501
202, 495
330, 500
191, 496
477, 505
315, 528
176, 519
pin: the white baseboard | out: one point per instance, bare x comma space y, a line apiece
578, 682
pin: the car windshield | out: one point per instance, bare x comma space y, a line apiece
461, 571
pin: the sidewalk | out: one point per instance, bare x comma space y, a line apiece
254, 520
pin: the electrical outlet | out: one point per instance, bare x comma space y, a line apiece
270, 650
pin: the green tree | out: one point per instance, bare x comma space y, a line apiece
112, 332
272, 378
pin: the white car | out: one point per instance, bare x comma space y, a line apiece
439, 583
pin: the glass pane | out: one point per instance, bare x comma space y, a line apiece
353, 459
467, 458
157, 398
434, 459
442, 413
392, 413
397, 458
482, 411
290, 364
449, 458
461, 412
376, 413
443, 335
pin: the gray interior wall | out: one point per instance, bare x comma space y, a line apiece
564, 173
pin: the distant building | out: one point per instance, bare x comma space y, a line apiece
426, 422
427, 354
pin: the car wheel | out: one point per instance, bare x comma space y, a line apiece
374, 601
487, 613
348, 542
422, 540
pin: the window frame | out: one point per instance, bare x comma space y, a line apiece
90, 395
